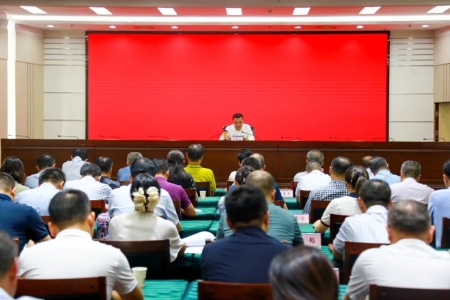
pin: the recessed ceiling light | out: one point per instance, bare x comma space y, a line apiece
100, 10
50, 26
34, 10
234, 11
359, 26
235, 27
301, 11
425, 26
369, 10
167, 11
112, 27
439, 9
298, 27
174, 27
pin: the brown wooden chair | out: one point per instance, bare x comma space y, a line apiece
98, 206
294, 187
392, 293
124, 182
192, 194
335, 224
203, 186
445, 239
77, 288
177, 205
302, 198
229, 183
154, 255
279, 203
351, 253
226, 291
317, 209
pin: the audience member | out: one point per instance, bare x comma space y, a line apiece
19, 221
409, 188
251, 162
175, 191
239, 179
303, 273
14, 167
43, 162
72, 167
439, 204
73, 253
245, 256
89, 183
123, 174
106, 164
262, 161
51, 182
313, 155
348, 205
409, 262
336, 188
177, 173
241, 156
366, 165
200, 174
314, 178
380, 170
370, 226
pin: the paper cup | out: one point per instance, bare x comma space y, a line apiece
202, 195
140, 273
336, 271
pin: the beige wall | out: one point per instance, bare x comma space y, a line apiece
442, 80
3, 76
444, 121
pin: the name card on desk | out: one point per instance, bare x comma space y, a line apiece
237, 138
302, 219
287, 193
312, 239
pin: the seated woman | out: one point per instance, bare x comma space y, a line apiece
355, 176
177, 174
14, 167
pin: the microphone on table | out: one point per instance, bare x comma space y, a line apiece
68, 136
18, 135
433, 139
159, 136
340, 137
293, 138
110, 136
390, 139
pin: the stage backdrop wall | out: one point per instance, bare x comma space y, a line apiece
187, 86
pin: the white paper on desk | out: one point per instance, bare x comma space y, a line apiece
198, 210
198, 239
194, 250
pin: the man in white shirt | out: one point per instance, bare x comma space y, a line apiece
241, 156
72, 167
73, 253
51, 182
314, 178
380, 170
44, 161
238, 131
410, 188
89, 183
313, 155
409, 262
366, 165
370, 226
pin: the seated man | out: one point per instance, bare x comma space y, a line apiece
380, 170
238, 130
106, 164
409, 262
195, 156
89, 183
176, 192
73, 253
314, 178
262, 161
241, 156
19, 221
313, 155
337, 187
370, 226
51, 182
366, 165
72, 167
124, 173
410, 188
43, 162
245, 256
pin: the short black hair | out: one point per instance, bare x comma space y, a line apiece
81, 153
242, 174
8, 252
195, 152
340, 164
45, 161
13, 166
105, 163
68, 208
252, 162
375, 192
237, 116
409, 217
245, 204
141, 166
244, 154
447, 168
52, 175
411, 169
90, 169
6, 182
377, 163
162, 166
315, 155
366, 161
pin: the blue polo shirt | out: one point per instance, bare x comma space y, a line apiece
21, 221
124, 174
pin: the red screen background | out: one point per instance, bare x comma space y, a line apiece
187, 86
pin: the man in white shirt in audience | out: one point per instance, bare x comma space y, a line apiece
72, 167
313, 155
241, 156
51, 182
370, 226
315, 178
380, 169
409, 262
44, 161
238, 130
73, 253
409, 188
366, 164
89, 183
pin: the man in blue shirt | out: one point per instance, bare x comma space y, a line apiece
380, 170
124, 173
43, 162
439, 204
245, 256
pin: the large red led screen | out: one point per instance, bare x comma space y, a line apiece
187, 86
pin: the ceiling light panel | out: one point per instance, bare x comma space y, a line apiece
34, 10
101, 11
439, 9
234, 11
301, 11
167, 11
369, 10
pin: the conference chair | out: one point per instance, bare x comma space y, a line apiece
203, 186
317, 209
351, 252
45, 220
392, 293
302, 198
445, 239
124, 182
225, 291
93, 288
98, 207
192, 194
335, 224
177, 205
154, 255
279, 203
294, 187
229, 183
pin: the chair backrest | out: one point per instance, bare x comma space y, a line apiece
279, 203
225, 291
154, 255
317, 209
335, 224
177, 205
229, 183
45, 220
351, 252
192, 194
203, 186
303, 197
62, 289
294, 186
98, 206
445, 239
124, 182
392, 293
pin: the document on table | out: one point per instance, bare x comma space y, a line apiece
195, 243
